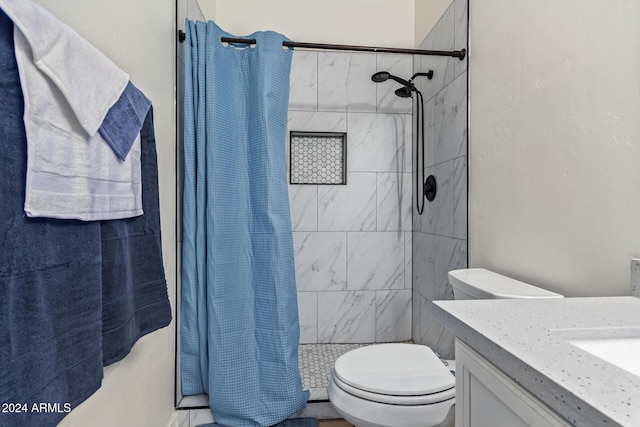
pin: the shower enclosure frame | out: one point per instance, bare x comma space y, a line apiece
190, 9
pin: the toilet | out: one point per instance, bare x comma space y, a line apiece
408, 385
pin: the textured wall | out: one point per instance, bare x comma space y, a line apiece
426, 14
440, 233
352, 242
555, 142
208, 8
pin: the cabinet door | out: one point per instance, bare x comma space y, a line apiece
486, 397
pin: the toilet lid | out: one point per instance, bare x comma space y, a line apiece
394, 369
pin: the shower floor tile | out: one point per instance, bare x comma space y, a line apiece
316, 363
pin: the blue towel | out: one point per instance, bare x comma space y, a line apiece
74, 296
239, 329
124, 120
135, 300
50, 282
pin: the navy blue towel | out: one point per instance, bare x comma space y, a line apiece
134, 296
50, 283
74, 296
124, 120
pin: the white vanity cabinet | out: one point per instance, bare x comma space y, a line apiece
486, 397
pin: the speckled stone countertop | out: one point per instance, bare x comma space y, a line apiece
527, 340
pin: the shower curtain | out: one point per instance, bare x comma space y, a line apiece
239, 316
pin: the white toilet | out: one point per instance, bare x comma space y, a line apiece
407, 385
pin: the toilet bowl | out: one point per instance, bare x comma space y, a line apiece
407, 385
398, 385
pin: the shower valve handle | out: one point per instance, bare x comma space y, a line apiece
430, 188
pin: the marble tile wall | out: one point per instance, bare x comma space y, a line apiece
440, 233
353, 242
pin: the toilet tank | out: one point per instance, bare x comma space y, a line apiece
478, 283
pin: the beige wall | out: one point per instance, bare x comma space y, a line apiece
359, 22
139, 37
356, 20
426, 15
555, 142
208, 8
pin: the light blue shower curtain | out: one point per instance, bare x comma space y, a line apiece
239, 315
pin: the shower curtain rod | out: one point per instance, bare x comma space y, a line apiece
460, 54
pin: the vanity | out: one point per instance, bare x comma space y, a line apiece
555, 362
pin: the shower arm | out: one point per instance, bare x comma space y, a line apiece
428, 74
405, 92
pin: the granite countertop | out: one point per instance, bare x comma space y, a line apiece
527, 340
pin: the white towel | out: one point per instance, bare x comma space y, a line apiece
69, 86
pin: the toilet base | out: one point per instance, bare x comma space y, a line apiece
365, 413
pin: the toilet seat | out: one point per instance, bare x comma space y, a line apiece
397, 374
426, 399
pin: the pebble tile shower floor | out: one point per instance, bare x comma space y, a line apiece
316, 362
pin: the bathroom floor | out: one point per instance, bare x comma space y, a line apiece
316, 362
335, 423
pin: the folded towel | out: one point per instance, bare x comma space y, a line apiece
134, 289
69, 88
89, 81
50, 282
124, 120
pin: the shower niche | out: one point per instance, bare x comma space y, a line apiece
318, 158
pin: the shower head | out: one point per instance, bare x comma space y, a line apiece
383, 76
404, 91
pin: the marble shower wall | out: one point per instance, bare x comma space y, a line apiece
440, 233
353, 242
